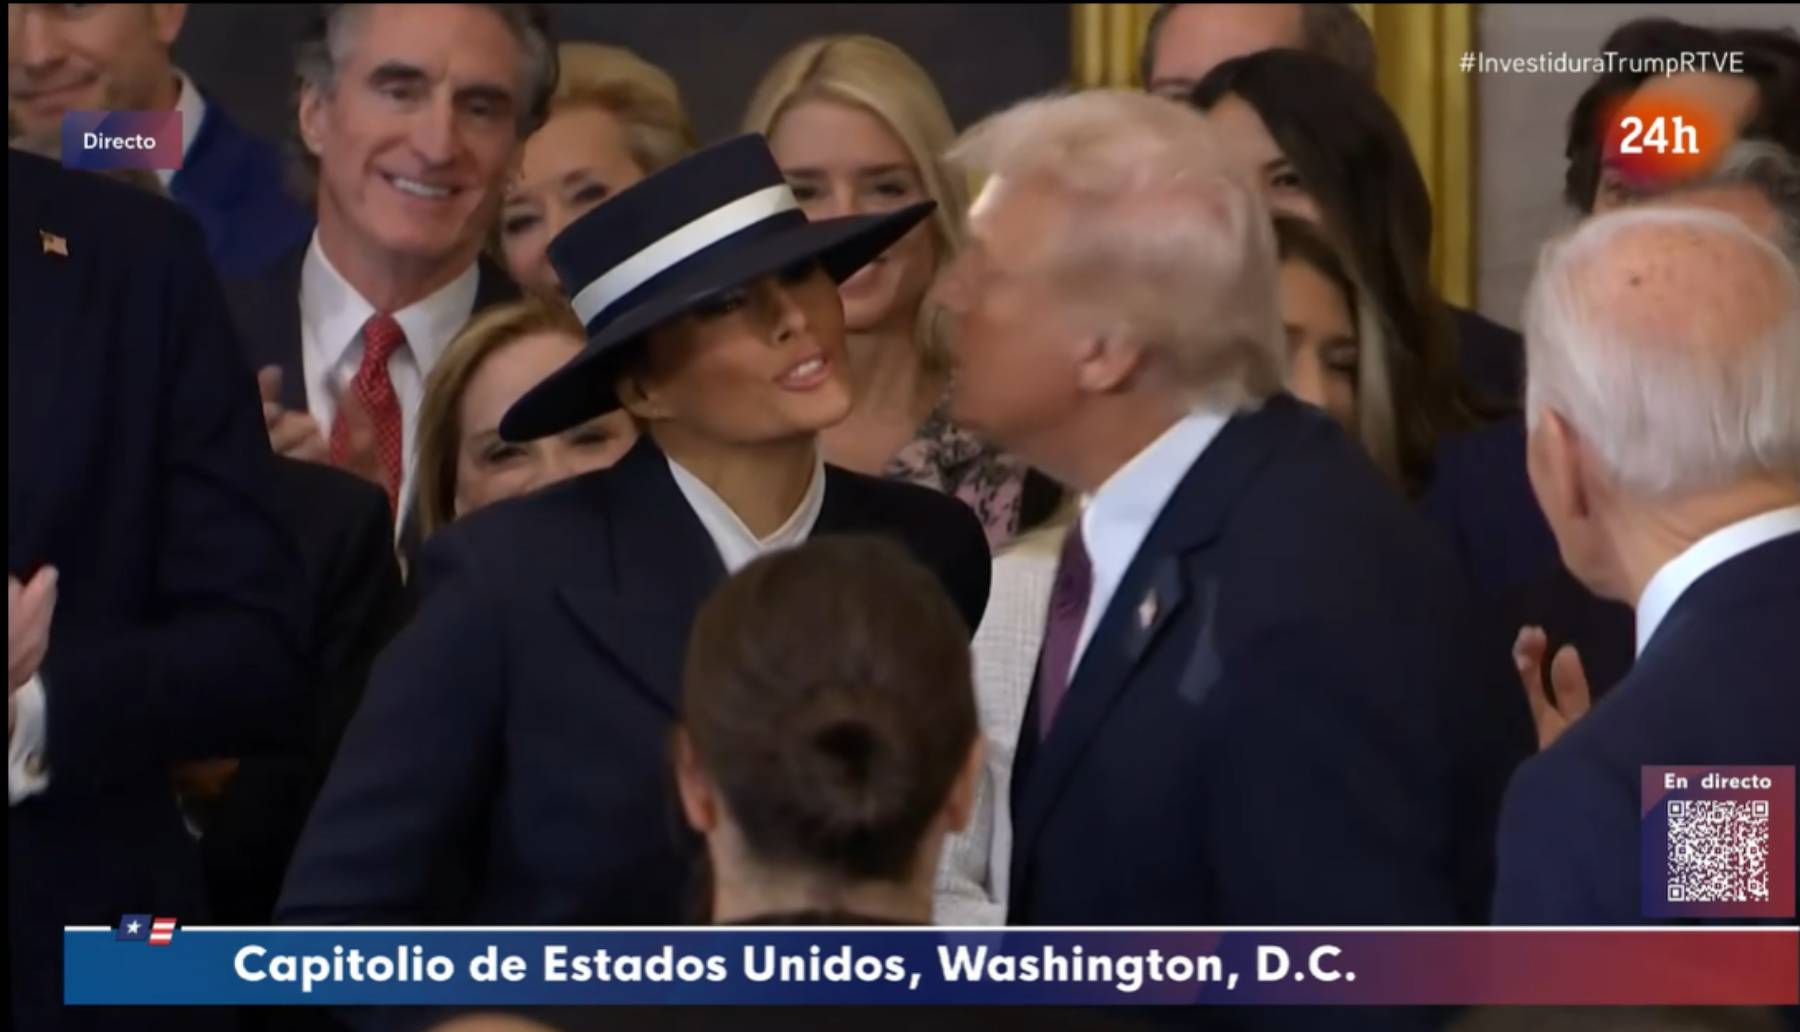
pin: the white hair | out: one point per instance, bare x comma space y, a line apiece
1669, 339
1161, 240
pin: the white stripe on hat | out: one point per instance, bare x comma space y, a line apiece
683, 243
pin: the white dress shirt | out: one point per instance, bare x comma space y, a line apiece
737, 545
332, 315
25, 773
1703, 556
193, 109
1115, 522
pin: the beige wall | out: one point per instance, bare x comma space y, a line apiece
1523, 119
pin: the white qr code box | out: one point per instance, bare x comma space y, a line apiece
1718, 842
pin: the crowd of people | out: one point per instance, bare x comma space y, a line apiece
513, 512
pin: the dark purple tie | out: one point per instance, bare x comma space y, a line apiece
1068, 608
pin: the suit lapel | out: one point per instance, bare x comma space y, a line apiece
50, 261
1157, 596
662, 567
266, 311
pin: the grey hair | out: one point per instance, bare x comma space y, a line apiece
1773, 172
1331, 31
1668, 407
1162, 240
326, 46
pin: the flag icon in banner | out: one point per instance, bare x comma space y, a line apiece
162, 931
134, 928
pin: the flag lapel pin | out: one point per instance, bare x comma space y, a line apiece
54, 244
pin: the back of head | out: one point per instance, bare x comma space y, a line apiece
1159, 237
873, 74
1669, 339
828, 698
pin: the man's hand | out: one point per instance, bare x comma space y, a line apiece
293, 434
28, 610
1569, 696
359, 454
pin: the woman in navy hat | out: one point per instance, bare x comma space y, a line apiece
509, 764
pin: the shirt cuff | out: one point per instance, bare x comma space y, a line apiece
26, 774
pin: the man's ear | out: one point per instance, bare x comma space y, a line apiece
959, 806
1559, 466
1107, 360
312, 116
166, 20
699, 803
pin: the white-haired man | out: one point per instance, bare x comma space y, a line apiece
1252, 697
1664, 352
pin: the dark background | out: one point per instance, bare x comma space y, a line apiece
982, 56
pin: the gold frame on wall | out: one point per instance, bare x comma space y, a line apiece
1418, 46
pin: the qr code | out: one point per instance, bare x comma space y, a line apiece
1718, 851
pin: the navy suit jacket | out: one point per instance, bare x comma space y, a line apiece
138, 466
509, 764
1717, 684
1490, 357
232, 183
1277, 720
346, 537
1482, 503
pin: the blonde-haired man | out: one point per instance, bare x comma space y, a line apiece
1251, 702
1664, 448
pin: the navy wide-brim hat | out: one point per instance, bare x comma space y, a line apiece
712, 222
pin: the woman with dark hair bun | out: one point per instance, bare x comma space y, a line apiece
825, 770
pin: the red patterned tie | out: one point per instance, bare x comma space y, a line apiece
1068, 610
382, 336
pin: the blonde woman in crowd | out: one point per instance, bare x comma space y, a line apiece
501, 354
614, 119
857, 127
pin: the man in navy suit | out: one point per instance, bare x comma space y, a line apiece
1665, 451
411, 117
172, 626
1253, 704
82, 57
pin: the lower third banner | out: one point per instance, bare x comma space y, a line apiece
749, 966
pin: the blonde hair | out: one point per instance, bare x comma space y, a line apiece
440, 413
879, 77
643, 97
1160, 239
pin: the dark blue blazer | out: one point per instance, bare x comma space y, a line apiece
232, 183
1482, 503
1490, 358
509, 764
137, 464
1279, 719
1719, 683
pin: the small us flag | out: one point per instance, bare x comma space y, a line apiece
162, 931
134, 928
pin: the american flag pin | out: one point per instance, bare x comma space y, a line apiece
54, 244
1147, 611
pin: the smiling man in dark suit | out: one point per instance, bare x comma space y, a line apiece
137, 470
411, 118
91, 57
1252, 705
